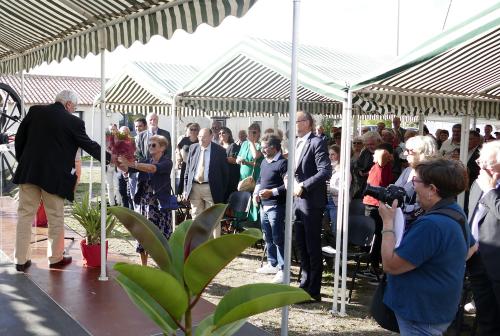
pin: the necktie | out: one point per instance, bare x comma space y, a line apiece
200, 174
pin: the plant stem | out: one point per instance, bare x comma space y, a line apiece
188, 322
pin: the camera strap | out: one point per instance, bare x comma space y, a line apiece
456, 216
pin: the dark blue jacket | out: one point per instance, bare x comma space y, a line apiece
271, 176
160, 180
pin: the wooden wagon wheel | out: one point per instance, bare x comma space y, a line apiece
10, 117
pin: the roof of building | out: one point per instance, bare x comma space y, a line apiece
42, 89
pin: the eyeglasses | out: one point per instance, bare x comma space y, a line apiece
416, 180
299, 121
222, 133
357, 142
152, 145
409, 151
252, 132
485, 164
194, 129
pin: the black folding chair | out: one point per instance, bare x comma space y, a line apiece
238, 206
360, 239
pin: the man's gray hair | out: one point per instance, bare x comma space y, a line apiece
491, 148
67, 96
371, 135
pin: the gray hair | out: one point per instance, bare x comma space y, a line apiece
371, 135
150, 114
424, 145
66, 96
491, 148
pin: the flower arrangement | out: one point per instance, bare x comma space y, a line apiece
121, 144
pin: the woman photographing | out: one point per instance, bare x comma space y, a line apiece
153, 187
426, 271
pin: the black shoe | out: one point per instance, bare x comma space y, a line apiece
313, 299
66, 260
23, 267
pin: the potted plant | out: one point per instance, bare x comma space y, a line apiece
187, 264
89, 217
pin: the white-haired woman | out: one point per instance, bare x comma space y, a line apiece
417, 149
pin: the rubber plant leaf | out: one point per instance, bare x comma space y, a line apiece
147, 304
176, 243
148, 235
161, 286
201, 229
248, 300
208, 259
206, 327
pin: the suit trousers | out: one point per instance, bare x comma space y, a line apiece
29, 200
308, 224
201, 199
486, 293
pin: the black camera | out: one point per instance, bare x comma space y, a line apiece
387, 195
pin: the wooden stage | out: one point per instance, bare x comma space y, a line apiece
100, 307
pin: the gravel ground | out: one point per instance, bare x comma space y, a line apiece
310, 319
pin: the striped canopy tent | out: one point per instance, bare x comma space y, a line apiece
443, 76
144, 87
253, 78
36, 32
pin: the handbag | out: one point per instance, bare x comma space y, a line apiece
248, 183
384, 315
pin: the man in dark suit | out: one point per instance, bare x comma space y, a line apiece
312, 170
46, 145
398, 130
484, 218
472, 167
206, 176
142, 139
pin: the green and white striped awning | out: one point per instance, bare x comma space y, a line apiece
254, 77
439, 78
34, 32
145, 87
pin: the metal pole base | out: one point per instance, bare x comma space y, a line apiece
103, 278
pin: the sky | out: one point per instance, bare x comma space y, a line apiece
356, 26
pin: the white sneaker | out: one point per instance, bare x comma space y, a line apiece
268, 269
328, 249
278, 277
470, 308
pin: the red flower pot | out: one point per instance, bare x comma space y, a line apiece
92, 254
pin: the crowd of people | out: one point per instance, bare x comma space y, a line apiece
425, 269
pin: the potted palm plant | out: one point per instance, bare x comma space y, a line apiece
187, 264
88, 214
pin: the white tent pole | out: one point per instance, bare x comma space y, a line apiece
91, 157
355, 124
102, 50
421, 123
346, 177
276, 121
291, 160
474, 122
464, 145
341, 201
173, 136
23, 112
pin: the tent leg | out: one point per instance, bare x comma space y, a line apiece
464, 143
173, 114
103, 276
291, 161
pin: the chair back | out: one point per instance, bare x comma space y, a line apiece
361, 230
239, 201
356, 207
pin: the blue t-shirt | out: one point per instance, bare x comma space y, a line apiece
430, 293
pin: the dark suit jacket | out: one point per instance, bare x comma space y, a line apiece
218, 170
489, 230
141, 144
313, 170
46, 145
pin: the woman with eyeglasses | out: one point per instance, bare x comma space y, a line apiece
249, 159
182, 151
232, 149
357, 147
425, 271
153, 187
417, 149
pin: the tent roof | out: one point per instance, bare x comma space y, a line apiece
254, 77
145, 87
35, 32
443, 74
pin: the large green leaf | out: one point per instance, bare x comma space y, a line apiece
147, 234
201, 229
176, 242
210, 258
207, 328
161, 286
253, 299
147, 304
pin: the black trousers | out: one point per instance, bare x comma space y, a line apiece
375, 255
308, 240
486, 293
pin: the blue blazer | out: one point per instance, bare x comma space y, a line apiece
218, 171
313, 170
160, 181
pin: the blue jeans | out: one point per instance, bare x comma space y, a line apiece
331, 210
412, 328
273, 226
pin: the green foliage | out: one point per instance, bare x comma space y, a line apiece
89, 217
188, 263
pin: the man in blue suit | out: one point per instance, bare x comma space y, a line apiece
206, 176
312, 170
